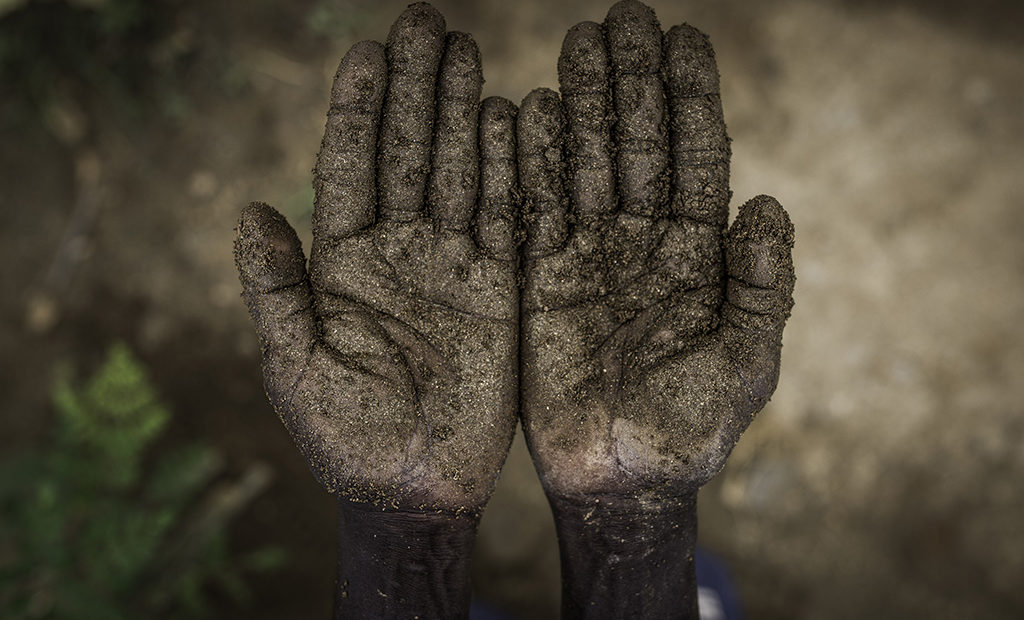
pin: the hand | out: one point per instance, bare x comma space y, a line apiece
393, 362
650, 334
646, 347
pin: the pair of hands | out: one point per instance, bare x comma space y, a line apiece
567, 264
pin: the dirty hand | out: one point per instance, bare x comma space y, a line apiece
392, 362
651, 335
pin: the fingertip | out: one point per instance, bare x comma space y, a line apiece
540, 121
688, 36
425, 11
581, 39
537, 98
253, 214
259, 221
634, 37
419, 17
759, 257
690, 66
360, 76
461, 74
763, 220
540, 114
629, 9
463, 55
583, 61
463, 45
416, 41
583, 31
364, 50
495, 106
268, 253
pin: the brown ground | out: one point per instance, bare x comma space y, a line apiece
882, 480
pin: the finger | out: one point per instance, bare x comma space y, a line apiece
454, 171
496, 217
272, 269
344, 186
634, 45
540, 127
759, 296
700, 146
583, 78
414, 49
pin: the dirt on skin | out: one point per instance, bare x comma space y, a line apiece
651, 335
393, 363
649, 341
396, 355
891, 132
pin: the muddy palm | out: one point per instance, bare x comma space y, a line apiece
393, 361
651, 332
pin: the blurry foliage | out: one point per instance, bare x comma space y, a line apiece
117, 48
331, 19
88, 529
136, 56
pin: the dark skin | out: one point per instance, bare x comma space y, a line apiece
392, 359
650, 332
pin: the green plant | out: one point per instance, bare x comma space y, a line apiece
332, 20
90, 529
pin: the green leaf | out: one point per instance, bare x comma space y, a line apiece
81, 538
180, 475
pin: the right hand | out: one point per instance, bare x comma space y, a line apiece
392, 363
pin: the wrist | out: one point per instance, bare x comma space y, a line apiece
402, 564
627, 556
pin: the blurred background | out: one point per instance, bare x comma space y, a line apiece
144, 474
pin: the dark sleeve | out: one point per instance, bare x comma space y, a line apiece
627, 557
402, 564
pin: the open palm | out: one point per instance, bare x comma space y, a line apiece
393, 361
650, 334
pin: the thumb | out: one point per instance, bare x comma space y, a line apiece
759, 296
272, 269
